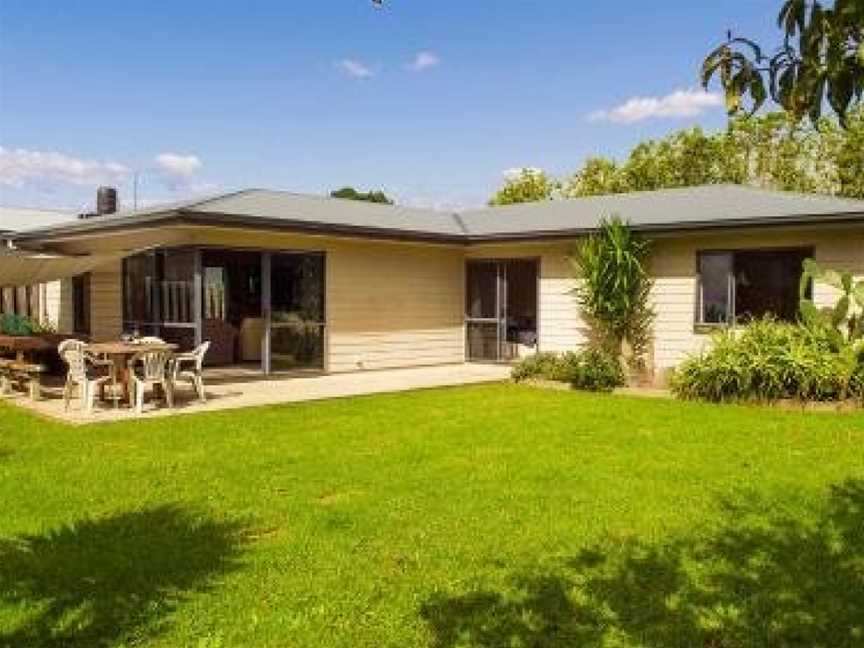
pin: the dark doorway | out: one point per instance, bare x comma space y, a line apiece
232, 317
501, 309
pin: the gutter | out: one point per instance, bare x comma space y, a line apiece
673, 228
465, 238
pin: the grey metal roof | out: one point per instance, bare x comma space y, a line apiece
670, 209
279, 209
22, 219
298, 208
707, 206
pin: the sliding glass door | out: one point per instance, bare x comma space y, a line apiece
484, 314
160, 295
501, 309
296, 322
260, 309
232, 310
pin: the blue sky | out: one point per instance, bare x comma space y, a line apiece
431, 100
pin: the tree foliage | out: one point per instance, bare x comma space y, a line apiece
350, 193
820, 59
613, 289
769, 151
531, 185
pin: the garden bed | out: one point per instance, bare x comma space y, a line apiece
848, 406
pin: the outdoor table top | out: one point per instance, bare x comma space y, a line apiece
128, 348
25, 343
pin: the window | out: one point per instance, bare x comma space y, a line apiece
21, 300
81, 304
159, 295
736, 286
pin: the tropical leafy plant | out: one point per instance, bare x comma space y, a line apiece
766, 360
613, 289
842, 325
820, 59
821, 357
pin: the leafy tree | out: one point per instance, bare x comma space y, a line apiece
531, 185
850, 157
821, 59
350, 193
613, 289
770, 151
598, 176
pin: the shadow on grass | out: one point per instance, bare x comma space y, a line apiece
760, 577
5, 453
113, 579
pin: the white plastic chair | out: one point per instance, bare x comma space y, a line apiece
150, 368
84, 372
194, 368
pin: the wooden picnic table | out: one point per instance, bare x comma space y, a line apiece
24, 345
120, 353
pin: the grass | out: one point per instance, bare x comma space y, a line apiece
495, 515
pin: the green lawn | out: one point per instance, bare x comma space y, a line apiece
482, 516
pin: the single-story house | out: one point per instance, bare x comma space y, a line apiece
281, 281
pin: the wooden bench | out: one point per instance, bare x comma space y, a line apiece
26, 376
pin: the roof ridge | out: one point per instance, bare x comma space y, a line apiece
801, 194
329, 198
192, 203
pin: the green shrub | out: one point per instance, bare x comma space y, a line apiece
590, 369
764, 361
596, 370
11, 324
540, 365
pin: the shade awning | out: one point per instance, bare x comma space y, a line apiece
18, 268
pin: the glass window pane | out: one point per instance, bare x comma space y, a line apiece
215, 293
482, 342
176, 286
299, 346
715, 268
297, 293
481, 295
767, 283
139, 273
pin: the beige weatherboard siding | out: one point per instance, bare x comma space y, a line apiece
106, 303
674, 269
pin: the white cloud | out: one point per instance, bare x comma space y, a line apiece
681, 103
21, 166
423, 61
515, 173
355, 69
177, 166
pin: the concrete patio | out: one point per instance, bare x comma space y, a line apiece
232, 389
